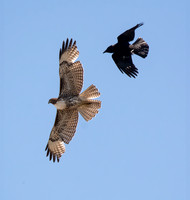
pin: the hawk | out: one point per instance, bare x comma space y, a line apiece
70, 101
122, 51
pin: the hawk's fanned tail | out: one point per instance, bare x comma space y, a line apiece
91, 106
90, 93
89, 110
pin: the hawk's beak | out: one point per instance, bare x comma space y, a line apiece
48, 101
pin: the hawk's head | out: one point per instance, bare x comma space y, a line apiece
53, 101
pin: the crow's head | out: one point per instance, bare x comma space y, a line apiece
110, 49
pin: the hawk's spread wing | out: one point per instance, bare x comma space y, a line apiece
129, 34
125, 64
62, 132
71, 74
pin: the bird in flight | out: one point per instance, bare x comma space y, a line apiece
70, 101
122, 51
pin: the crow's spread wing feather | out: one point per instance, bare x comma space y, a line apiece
125, 64
129, 34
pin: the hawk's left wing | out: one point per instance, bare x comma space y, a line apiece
62, 132
70, 72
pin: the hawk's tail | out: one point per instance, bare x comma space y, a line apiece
91, 106
90, 93
140, 47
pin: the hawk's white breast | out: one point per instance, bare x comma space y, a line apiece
60, 105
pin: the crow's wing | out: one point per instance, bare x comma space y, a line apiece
125, 64
62, 132
129, 34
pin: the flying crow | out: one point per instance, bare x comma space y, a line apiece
122, 51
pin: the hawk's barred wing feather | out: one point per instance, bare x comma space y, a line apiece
55, 149
62, 132
71, 78
66, 127
69, 52
71, 74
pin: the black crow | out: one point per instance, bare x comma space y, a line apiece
122, 51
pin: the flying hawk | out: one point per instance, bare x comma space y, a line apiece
122, 51
70, 101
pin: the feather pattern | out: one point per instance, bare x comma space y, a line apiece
69, 52
71, 74
90, 93
71, 78
62, 132
90, 110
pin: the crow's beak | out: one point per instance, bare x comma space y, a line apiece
104, 51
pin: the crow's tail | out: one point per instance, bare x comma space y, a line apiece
140, 47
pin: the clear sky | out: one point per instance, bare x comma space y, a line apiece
137, 147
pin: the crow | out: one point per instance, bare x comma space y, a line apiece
122, 51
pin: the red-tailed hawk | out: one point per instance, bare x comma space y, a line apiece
70, 101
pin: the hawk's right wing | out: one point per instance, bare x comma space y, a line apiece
70, 72
62, 132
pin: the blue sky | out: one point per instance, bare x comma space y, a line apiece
137, 147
